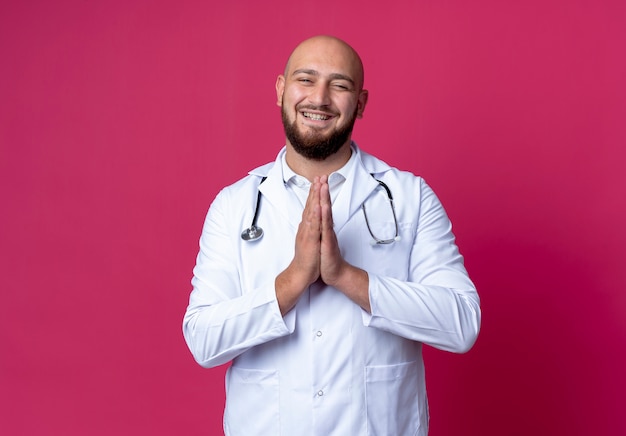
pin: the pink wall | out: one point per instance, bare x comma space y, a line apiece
120, 120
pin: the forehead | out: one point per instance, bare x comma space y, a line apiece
326, 57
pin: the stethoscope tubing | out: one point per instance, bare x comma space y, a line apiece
254, 232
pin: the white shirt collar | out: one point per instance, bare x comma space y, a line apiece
300, 185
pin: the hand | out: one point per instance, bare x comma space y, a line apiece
317, 250
317, 255
334, 270
304, 268
332, 264
306, 260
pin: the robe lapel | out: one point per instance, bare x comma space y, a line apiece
275, 193
358, 186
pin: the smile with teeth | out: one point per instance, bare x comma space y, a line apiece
316, 117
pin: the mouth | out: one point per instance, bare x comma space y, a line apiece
316, 116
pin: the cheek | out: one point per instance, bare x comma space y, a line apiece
349, 107
292, 95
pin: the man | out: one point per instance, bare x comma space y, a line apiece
324, 316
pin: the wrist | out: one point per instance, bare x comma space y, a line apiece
354, 283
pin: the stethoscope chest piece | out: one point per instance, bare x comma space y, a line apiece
252, 233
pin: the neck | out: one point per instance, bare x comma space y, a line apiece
310, 168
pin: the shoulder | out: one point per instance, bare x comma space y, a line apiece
250, 181
382, 170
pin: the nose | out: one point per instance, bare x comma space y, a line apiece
320, 95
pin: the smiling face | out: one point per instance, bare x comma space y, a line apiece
321, 94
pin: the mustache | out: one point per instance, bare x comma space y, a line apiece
311, 107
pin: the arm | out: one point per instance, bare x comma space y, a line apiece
223, 320
438, 305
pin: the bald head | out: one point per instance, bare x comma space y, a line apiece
328, 51
321, 95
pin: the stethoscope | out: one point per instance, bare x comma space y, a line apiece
254, 232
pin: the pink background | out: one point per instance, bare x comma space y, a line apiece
120, 121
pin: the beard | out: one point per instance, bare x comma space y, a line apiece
316, 145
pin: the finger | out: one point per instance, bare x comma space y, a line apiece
311, 207
331, 261
325, 205
313, 198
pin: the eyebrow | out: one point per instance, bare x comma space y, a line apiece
332, 76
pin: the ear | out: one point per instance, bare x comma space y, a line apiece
280, 89
363, 95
